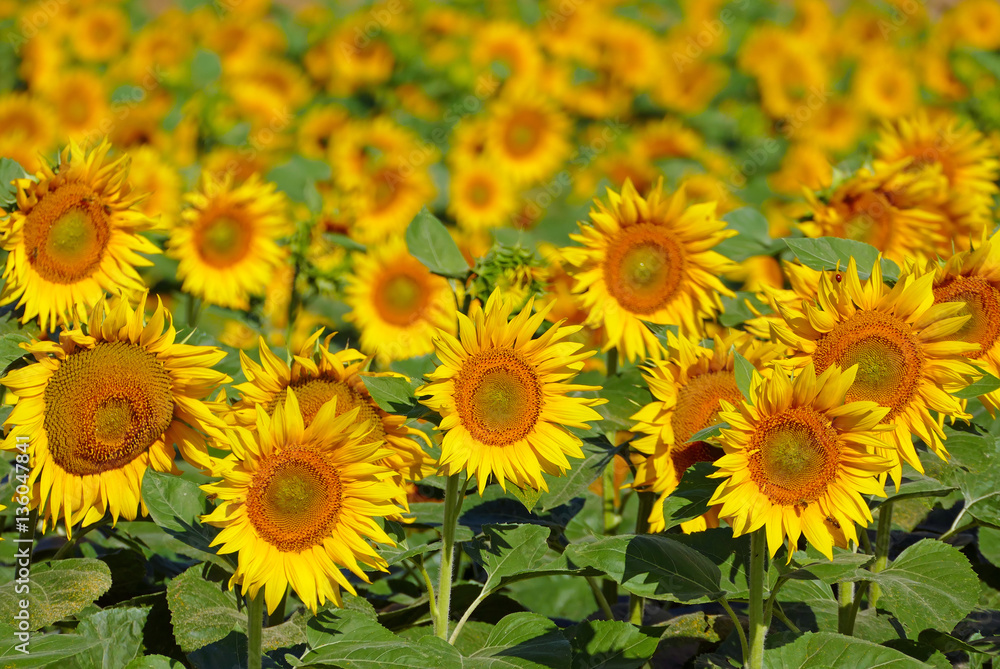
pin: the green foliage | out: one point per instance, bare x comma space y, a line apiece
611, 644
829, 253
9, 171
753, 238
812, 651
430, 243
56, 590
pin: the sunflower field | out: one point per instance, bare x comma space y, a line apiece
499, 334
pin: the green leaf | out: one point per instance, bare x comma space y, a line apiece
46, 650
56, 590
735, 310
507, 550
828, 253
843, 567
429, 242
985, 385
527, 496
120, 634
201, 613
753, 238
930, 585
612, 644
10, 348
206, 68
298, 176
918, 486
625, 393
707, 432
989, 544
974, 467
524, 641
690, 498
176, 504
824, 649
744, 372
10, 170
154, 662
652, 566
392, 393
597, 452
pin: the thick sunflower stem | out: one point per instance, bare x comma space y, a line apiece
454, 495
610, 524
637, 604
845, 603
882, 538
758, 626
255, 626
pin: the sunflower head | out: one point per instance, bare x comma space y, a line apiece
503, 396
648, 259
297, 503
798, 458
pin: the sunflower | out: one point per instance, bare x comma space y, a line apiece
503, 396
886, 85
107, 402
386, 202
890, 209
396, 303
480, 197
99, 33
299, 502
73, 237
972, 278
648, 259
317, 129
906, 348
28, 129
316, 376
527, 137
80, 102
798, 458
688, 387
226, 242
508, 45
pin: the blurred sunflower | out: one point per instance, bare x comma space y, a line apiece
29, 127
80, 102
907, 350
688, 386
527, 137
99, 33
480, 197
106, 403
317, 129
396, 303
316, 376
226, 241
506, 47
648, 259
72, 237
798, 457
297, 503
386, 201
503, 396
885, 85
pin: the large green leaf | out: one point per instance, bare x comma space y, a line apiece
845, 566
625, 393
690, 498
45, 650
974, 468
10, 348
56, 590
176, 504
930, 585
824, 650
827, 253
597, 454
612, 644
735, 309
744, 372
522, 641
429, 242
753, 238
508, 550
393, 393
987, 384
154, 662
651, 566
201, 613
120, 634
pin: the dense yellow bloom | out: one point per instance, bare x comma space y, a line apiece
798, 458
106, 403
527, 137
480, 197
503, 396
298, 503
648, 259
72, 237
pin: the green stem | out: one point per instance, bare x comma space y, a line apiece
430, 589
610, 522
453, 498
845, 602
255, 624
612, 362
780, 615
193, 310
68, 547
468, 613
852, 614
602, 601
866, 544
758, 627
769, 604
636, 604
882, 538
739, 628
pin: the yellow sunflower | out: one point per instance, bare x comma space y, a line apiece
298, 503
99, 33
648, 259
890, 209
72, 237
527, 137
906, 348
480, 197
687, 388
798, 458
316, 376
885, 85
972, 278
503, 396
227, 240
29, 127
106, 403
80, 102
397, 304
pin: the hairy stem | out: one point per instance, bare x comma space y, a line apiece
454, 495
739, 629
882, 539
255, 625
758, 627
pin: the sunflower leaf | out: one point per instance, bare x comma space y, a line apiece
813, 650
392, 393
829, 253
176, 505
987, 384
612, 644
10, 348
507, 550
430, 243
597, 452
44, 650
10, 170
744, 375
706, 432
56, 590
120, 635
525, 640
753, 238
201, 613
690, 498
